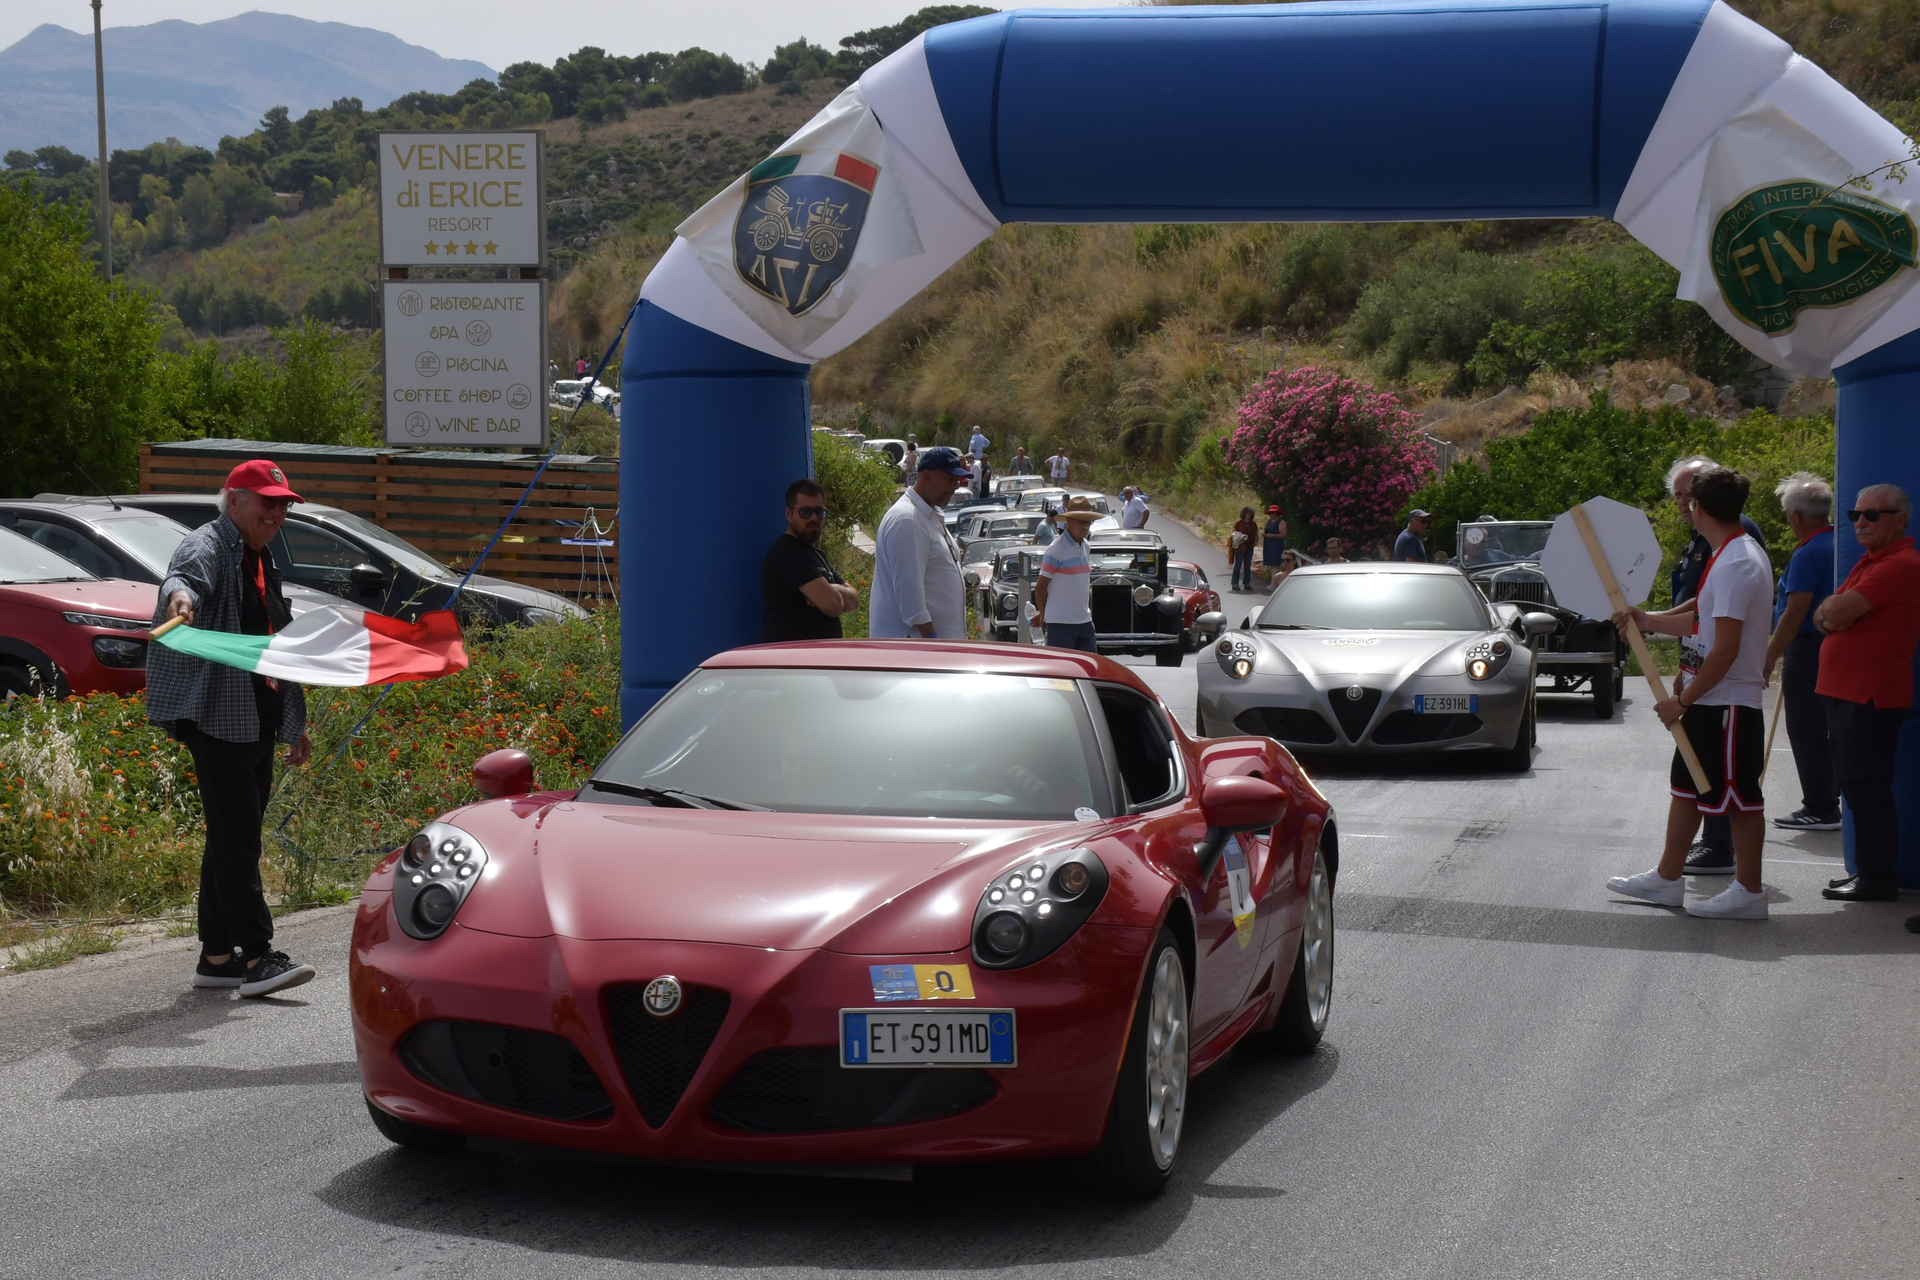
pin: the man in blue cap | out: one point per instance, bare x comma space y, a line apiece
918, 592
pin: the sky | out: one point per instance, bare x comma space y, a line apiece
501, 32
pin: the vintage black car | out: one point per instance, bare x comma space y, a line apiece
1502, 558
1134, 609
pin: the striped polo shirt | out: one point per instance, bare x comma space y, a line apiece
1068, 571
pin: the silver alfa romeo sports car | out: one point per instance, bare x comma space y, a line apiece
1378, 659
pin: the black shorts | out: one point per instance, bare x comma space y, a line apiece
1732, 744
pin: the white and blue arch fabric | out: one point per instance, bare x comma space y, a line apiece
1699, 131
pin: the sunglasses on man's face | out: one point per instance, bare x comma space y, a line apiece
811, 513
1870, 514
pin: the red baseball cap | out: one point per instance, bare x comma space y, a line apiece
263, 477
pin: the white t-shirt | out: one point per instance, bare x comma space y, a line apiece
1739, 585
1135, 515
1068, 572
1057, 466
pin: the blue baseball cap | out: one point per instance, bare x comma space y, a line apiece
941, 458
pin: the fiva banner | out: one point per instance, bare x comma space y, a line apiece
1789, 253
794, 240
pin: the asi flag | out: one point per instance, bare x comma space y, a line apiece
794, 240
1786, 254
337, 647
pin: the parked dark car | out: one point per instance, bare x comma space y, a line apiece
1502, 558
343, 555
112, 540
1135, 609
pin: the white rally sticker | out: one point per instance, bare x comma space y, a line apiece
1240, 893
1084, 814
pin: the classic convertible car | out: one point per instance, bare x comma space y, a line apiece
1377, 659
783, 921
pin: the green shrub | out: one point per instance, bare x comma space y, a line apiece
859, 487
1438, 307
1323, 269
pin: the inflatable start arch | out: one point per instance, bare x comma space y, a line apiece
1698, 130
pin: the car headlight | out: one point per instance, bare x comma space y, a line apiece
1488, 658
115, 652
1236, 654
437, 871
1031, 909
103, 620
533, 613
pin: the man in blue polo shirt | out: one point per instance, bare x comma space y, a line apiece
1411, 547
1808, 502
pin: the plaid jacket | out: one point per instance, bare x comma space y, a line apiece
207, 566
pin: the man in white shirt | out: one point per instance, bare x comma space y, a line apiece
917, 586
1723, 644
1063, 596
1057, 467
978, 444
1133, 508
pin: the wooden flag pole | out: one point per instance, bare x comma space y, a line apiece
1638, 641
1779, 700
168, 625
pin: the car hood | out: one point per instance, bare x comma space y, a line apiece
117, 597
772, 880
1351, 653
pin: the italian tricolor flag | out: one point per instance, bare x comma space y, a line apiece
333, 647
840, 164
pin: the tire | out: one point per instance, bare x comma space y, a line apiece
1137, 1154
1168, 656
1519, 757
405, 1133
1619, 682
1308, 1004
1603, 693
17, 682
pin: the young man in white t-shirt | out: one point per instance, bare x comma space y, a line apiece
1723, 632
1063, 597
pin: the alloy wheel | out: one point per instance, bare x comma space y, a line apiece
1166, 1051
1316, 946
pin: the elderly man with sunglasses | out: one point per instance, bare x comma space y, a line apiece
1872, 624
222, 578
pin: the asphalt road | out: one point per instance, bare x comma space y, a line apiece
1522, 1078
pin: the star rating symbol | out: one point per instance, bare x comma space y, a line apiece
432, 247
452, 248
472, 248
492, 247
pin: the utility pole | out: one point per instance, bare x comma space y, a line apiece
100, 104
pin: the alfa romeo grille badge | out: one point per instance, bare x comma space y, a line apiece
662, 997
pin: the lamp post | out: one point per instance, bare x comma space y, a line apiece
100, 104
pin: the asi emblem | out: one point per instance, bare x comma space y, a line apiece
1788, 246
798, 226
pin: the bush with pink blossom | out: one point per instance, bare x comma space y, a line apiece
1338, 456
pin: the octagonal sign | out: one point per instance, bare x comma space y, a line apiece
1633, 553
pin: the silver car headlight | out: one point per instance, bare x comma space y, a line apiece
437, 871
534, 614
1488, 658
1235, 654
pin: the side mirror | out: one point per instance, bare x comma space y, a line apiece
1207, 628
503, 773
366, 575
1230, 806
1539, 624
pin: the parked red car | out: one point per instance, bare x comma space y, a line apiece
1189, 581
64, 631
785, 920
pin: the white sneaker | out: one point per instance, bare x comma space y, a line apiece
1650, 886
1735, 902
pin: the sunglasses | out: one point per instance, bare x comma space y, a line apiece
811, 513
1870, 514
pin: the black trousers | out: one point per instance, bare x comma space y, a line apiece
235, 779
1807, 727
1864, 740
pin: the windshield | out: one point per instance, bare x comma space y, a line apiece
24, 560
1178, 577
1375, 602
1493, 542
861, 742
1119, 560
149, 539
981, 550
402, 551
1008, 565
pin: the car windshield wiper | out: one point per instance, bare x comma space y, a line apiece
1293, 626
673, 796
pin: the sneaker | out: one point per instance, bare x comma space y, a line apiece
1704, 860
228, 973
275, 972
1735, 902
1801, 820
1650, 886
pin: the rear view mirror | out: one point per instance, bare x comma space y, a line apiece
1539, 624
503, 773
1207, 628
1233, 805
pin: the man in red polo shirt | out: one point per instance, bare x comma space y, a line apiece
1872, 624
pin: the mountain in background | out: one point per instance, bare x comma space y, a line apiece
200, 82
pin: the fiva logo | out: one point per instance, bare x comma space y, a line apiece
797, 228
1783, 248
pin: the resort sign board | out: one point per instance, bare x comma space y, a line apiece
462, 200
466, 363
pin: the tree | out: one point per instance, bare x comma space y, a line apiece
76, 355
864, 48
1338, 456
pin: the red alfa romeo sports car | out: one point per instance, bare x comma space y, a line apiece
792, 917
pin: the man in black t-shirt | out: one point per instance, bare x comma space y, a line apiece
804, 597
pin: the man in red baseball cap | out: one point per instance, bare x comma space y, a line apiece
222, 578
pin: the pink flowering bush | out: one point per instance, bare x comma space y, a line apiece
1338, 456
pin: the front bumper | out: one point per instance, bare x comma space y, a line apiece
1072, 1014
1301, 713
